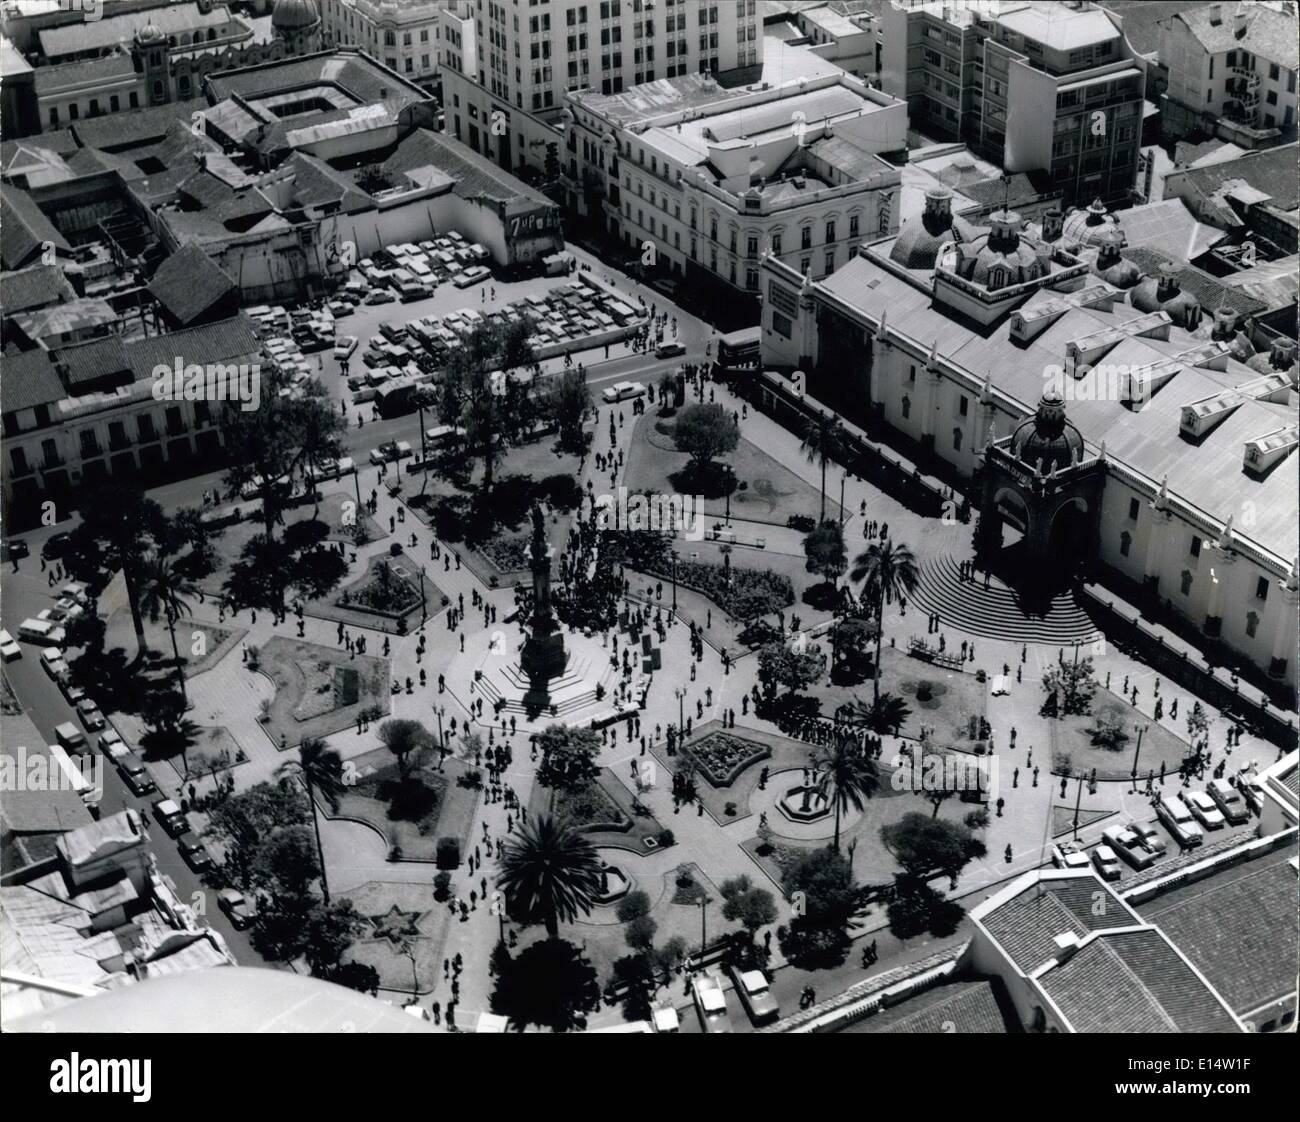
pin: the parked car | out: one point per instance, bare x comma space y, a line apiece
195, 854
390, 452
113, 746
1204, 810
670, 350
41, 632
344, 345
52, 662
90, 714
622, 391
1229, 800
14, 549
74, 694
9, 650
1248, 786
1177, 819
756, 995
380, 296
1069, 855
169, 814
1107, 863
1150, 837
237, 908
711, 1002
475, 274
135, 775
70, 738
76, 590
56, 545
1124, 841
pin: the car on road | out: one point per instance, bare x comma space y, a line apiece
76, 590
756, 995
14, 549
113, 746
1150, 837
344, 345
1229, 800
666, 287
670, 350
90, 714
195, 854
70, 738
237, 908
1107, 863
1069, 855
135, 775
1176, 817
42, 632
390, 452
379, 296
71, 691
169, 814
1204, 810
622, 391
711, 1002
340, 308
475, 274
53, 663
9, 650
56, 545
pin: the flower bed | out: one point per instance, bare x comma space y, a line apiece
722, 758
591, 810
510, 555
740, 592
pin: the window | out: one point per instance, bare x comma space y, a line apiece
805, 266
805, 238
1252, 624
956, 439
1125, 543
830, 230
1261, 588
776, 245
830, 261
89, 443
1186, 582
1196, 546
963, 405
911, 374
853, 225
782, 325
1133, 510
907, 406
54, 113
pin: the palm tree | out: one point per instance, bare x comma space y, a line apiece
317, 438
891, 573
550, 872
320, 768
425, 398
822, 440
846, 777
164, 592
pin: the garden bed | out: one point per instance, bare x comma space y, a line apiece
633, 830
283, 660
1070, 735
722, 757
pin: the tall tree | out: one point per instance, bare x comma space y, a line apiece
164, 591
891, 573
319, 432
704, 432
568, 758
823, 440
403, 736
549, 872
320, 768
119, 529
824, 553
846, 777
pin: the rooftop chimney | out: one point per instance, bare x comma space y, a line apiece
1067, 945
1216, 15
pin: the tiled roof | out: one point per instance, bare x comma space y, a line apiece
89, 363
30, 380
1231, 925
59, 141
957, 1007
348, 68
1271, 170
130, 130
99, 34
211, 342
1134, 982
476, 176
189, 282
1270, 34
1141, 18
34, 287
1273, 283
24, 228
1168, 226
316, 184
53, 79
1210, 291
1026, 926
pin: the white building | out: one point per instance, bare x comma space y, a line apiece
405, 35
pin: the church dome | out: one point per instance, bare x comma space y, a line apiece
1088, 226
1048, 440
1110, 264
1002, 258
294, 15
149, 35
1163, 293
919, 239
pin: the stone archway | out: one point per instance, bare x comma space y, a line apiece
1068, 532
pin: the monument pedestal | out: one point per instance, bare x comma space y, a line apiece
543, 658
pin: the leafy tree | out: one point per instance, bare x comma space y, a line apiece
823, 549
372, 178
744, 903
318, 433
779, 666
1069, 688
119, 529
1108, 731
633, 906
550, 984
821, 885
640, 933
170, 733
549, 872
923, 846
823, 440
321, 770
846, 777
404, 737
891, 573
885, 714
188, 538
279, 931
241, 822
851, 640
286, 865
356, 976
566, 403
916, 908
568, 758
330, 930
704, 432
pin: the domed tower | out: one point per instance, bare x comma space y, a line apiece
1048, 441
918, 242
1111, 265
152, 59
1163, 293
298, 23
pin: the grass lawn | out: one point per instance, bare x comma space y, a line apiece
413, 814
1069, 735
355, 615
771, 492
319, 690
400, 916
605, 812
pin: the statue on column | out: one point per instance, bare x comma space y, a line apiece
543, 656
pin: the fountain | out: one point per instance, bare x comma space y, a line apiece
614, 884
803, 802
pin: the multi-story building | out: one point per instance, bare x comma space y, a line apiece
711, 179
506, 82
1044, 86
406, 35
1232, 73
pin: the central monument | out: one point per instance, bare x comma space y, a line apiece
543, 656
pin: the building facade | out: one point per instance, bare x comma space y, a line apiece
1047, 87
405, 36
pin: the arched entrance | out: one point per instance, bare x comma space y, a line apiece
1069, 536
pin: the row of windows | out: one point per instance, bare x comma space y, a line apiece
94, 109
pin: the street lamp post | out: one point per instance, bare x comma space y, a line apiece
1141, 728
1078, 802
704, 937
843, 479
674, 554
681, 712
